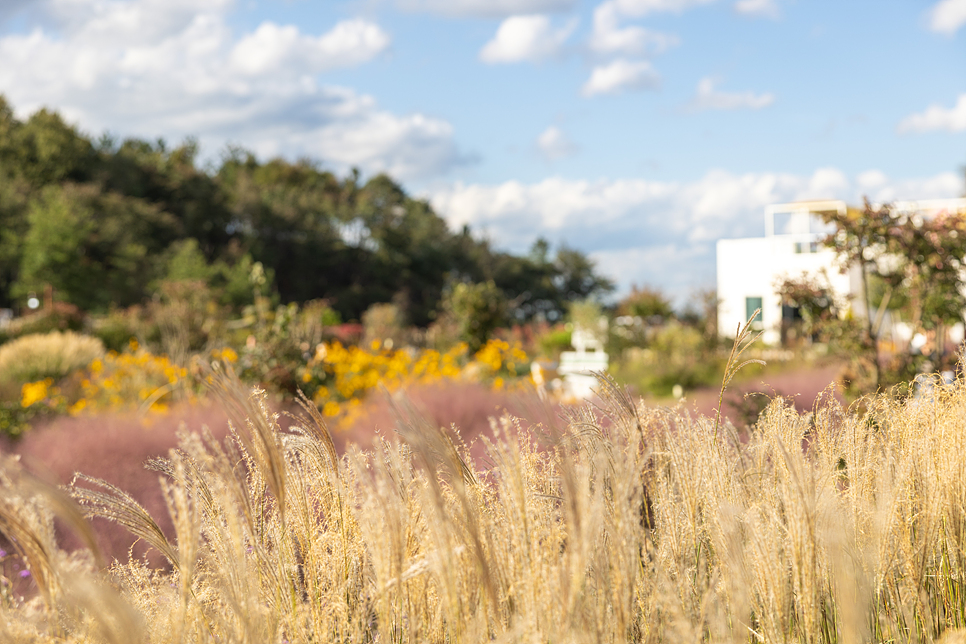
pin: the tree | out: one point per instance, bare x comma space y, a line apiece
645, 303
814, 301
478, 309
537, 285
44, 149
94, 248
170, 179
576, 278
147, 206
919, 258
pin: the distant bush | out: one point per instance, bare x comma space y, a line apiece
646, 303
477, 309
117, 327
50, 355
59, 317
384, 322
676, 355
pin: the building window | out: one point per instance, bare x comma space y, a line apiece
806, 247
751, 305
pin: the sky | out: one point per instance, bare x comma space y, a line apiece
638, 131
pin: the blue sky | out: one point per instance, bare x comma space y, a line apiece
640, 131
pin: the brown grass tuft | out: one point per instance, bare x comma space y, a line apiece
615, 523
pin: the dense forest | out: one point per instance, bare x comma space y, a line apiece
104, 222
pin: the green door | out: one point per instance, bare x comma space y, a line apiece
752, 304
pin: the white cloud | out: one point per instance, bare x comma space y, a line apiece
175, 68
709, 98
520, 38
620, 75
486, 8
129, 23
272, 48
947, 16
638, 8
871, 180
659, 232
937, 117
763, 8
553, 144
608, 37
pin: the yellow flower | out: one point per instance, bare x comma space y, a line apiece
77, 407
34, 392
306, 376
228, 355
331, 408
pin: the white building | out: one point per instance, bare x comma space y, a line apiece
750, 269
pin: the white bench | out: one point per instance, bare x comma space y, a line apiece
577, 368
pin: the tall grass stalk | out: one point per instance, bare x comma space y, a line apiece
621, 523
743, 340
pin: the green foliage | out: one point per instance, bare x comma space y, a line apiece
815, 302
14, 199
187, 262
646, 303
676, 355
280, 341
117, 328
44, 149
188, 317
230, 282
169, 179
478, 310
555, 341
909, 264
15, 419
94, 248
540, 286
106, 224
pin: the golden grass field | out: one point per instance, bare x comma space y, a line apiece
616, 522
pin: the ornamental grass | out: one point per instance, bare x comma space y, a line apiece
619, 523
47, 355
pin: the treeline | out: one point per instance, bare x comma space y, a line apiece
105, 223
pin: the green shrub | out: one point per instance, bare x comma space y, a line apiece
60, 317
477, 309
50, 355
555, 341
676, 355
14, 418
117, 328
